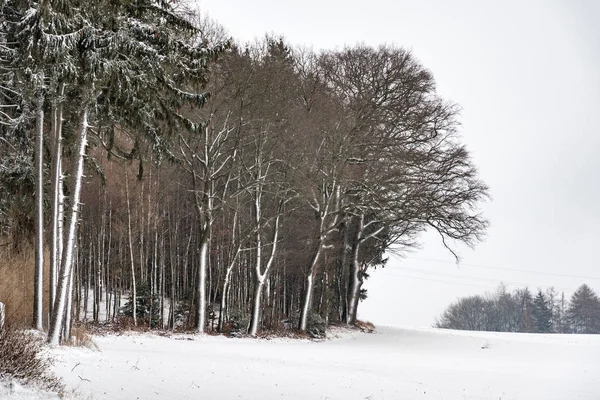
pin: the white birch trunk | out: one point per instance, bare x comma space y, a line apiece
68, 311
38, 296
57, 202
307, 302
324, 230
261, 277
67, 258
131, 259
356, 285
256, 306
201, 289
226, 283
223, 304
253, 328
2, 314
310, 287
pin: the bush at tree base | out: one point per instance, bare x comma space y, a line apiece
145, 303
22, 359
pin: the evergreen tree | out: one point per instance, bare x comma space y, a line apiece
147, 306
526, 303
561, 323
584, 311
542, 313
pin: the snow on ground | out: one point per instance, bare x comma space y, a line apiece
13, 391
389, 364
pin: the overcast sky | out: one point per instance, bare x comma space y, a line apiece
527, 76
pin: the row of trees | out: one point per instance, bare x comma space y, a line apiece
520, 311
72, 73
227, 186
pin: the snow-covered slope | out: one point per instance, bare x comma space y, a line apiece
13, 391
389, 364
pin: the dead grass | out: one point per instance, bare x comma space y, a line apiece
365, 326
16, 284
81, 337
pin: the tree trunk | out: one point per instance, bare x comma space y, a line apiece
356, 284
67, 259
310, 286
201, 289
68, 311
131, 259
256, 306
223, 304
38, 294
57, 202
259, 275
2, 314
307, 302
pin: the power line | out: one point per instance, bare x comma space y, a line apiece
462, 283
508, 269
457, 276
435, 280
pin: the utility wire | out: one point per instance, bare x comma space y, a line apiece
466, 284
508, 269
435, 280
456, 276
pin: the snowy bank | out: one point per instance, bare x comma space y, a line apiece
388, 364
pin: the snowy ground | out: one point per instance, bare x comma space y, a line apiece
389, 364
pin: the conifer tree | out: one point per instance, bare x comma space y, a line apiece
584, 311
542, 313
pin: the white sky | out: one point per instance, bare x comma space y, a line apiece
527, 75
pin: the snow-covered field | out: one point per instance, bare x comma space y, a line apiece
389, 364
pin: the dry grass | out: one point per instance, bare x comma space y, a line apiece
16, 284
365, 326
81, 337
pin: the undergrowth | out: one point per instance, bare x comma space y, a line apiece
22, 358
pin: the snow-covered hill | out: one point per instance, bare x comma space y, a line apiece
389, 364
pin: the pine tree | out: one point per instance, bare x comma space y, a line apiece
136, 62
584, 311
527, 323
542, 313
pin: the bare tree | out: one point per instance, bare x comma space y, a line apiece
409, 171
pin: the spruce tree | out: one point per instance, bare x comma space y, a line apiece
542, 313
584, 311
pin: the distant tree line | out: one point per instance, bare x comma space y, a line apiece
520, 311
170, 176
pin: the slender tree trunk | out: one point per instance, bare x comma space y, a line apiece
310, 286
201, 288
223, 304
2, 315
225, 289
68, 311
355, 284
131, 259
38, 294
260, 277
57, 201
343, 276
253, 328
68, 253
327, 305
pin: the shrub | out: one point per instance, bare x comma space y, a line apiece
22, 359
145, 303
316, 326
238, 322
